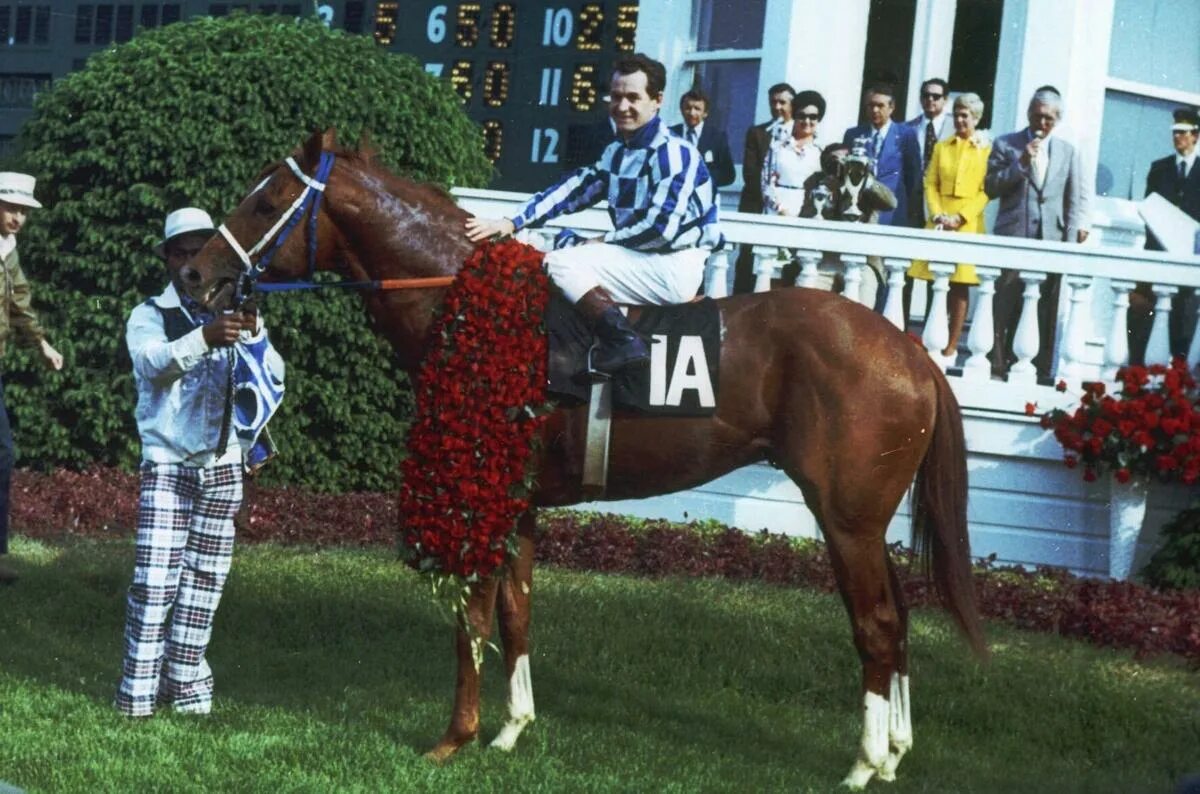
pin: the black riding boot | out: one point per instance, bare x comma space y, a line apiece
620, 347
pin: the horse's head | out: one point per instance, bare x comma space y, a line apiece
277, 230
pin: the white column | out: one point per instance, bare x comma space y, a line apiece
719, 265
855, 265
818, 45
1071, 365
893, 309
764, 267
808, 275
937, 331
1158, 349
983, 326
1026, 340
933, 37
1193, 356
1116, 347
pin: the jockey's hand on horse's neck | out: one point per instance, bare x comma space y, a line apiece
480, 229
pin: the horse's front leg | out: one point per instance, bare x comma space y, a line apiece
514, 604
464, 723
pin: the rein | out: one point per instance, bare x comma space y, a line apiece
307, 203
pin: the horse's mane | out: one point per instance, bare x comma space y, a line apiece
433, 194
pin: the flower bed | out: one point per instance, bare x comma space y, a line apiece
103, 502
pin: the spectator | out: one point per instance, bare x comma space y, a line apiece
1039, 181
955, 197
934, 124
1177, 179
758, 141
896, 153
185, 368
793, 159
709, 139
16, 318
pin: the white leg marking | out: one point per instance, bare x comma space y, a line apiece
873, 751
900, 736
520, 706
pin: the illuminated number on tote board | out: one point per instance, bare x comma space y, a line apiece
462, 75
627, 16
591, 17
495, 84
504, 21
466, 32
493, 139
583, 87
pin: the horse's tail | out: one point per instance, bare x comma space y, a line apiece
940, 516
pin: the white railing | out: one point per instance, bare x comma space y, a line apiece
1097, 281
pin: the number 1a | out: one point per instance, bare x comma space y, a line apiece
545, 146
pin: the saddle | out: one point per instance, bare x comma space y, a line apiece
685, 350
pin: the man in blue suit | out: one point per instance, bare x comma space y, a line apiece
896, 153
711, 140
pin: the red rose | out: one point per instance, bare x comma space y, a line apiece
1030, 409
1122, 475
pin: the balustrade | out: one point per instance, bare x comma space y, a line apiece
1091, 339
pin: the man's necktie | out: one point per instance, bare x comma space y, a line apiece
1182, 170
930, 140
692, 137
876, 144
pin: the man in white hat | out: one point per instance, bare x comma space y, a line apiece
16, 319
184, 366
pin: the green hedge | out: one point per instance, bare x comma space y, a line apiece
189, 114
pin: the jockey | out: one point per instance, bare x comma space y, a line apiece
663, 209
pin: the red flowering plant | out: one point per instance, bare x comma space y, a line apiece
1149, 428
481, 401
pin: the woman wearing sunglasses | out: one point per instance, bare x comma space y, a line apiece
792, 160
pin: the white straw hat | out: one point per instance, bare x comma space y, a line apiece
18, 189
184, 221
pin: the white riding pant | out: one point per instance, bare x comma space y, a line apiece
630, 276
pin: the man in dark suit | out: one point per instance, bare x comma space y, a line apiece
934, 123
1177, 179
758, 142
896, 153
1039, 182
708, 138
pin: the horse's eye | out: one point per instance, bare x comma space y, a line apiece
264, 207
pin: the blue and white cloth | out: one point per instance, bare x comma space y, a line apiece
660, 195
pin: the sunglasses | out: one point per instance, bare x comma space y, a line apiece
807, 117
927, 95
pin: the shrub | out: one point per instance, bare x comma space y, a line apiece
190, 113
1176, 564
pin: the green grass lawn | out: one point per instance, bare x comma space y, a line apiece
335, 673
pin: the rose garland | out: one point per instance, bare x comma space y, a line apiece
481, 401
1149, 428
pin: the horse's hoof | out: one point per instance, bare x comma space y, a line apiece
446, 749
860, 774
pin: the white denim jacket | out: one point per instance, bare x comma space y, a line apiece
182, 386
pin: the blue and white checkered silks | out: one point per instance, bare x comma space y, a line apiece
257, 392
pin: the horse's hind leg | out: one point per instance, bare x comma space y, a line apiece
513, 601
857, 551
464, 723
900, 735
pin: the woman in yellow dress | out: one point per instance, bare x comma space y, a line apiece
955, 198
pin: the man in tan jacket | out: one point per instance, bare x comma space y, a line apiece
16, 318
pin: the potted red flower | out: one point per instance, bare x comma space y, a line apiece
1150, 428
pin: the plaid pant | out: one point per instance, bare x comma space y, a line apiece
184, 550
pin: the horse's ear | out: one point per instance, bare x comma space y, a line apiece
318, 142
365, 149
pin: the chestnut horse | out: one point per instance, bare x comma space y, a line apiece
823, 388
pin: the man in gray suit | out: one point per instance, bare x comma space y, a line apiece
1038, 179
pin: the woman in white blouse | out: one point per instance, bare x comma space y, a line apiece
792, 160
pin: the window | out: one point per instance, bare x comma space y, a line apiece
724, 25
218, 9
268, 8
124, 23
41, 25
19, 90
353, 18
149, 15
83, 24
5, 29
290, 9
974, 52
889, 49
104, 24
170, 13
24, 23
1154, 42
